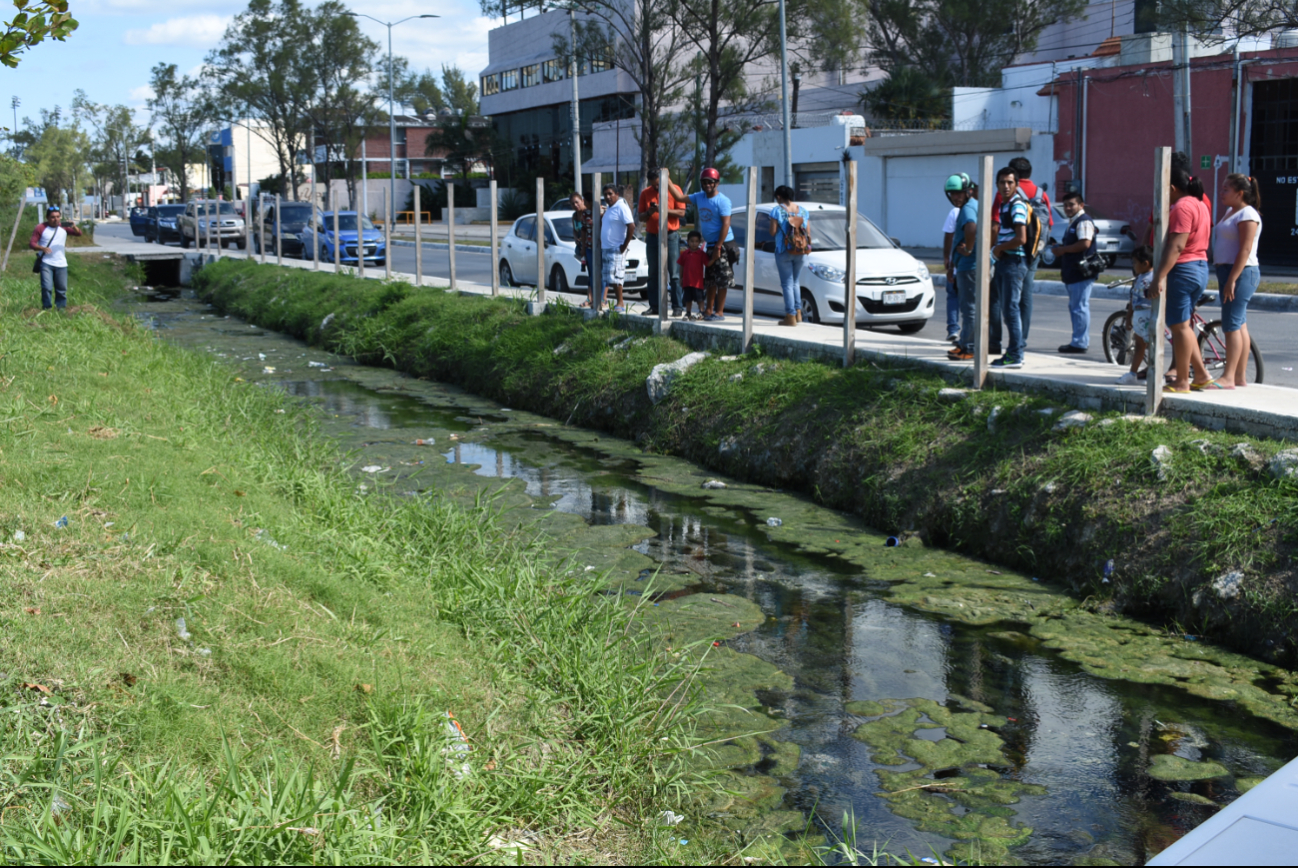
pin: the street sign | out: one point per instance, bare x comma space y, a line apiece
1205, 162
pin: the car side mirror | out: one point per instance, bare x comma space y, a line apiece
895, 241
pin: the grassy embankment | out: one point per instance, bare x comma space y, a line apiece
295, 714
1059, 504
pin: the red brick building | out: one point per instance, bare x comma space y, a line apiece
1243, 109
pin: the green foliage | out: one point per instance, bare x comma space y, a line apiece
908, 94
32, 25
1217, 21
182, 112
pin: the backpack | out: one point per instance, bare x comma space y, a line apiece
1038, 214
797, 239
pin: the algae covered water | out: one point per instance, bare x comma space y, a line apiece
949, 707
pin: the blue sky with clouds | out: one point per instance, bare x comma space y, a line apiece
119, 41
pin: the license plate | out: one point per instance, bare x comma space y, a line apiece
897, 297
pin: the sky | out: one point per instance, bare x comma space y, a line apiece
119, 41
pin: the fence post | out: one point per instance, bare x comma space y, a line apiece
849, 276
387, 237
279, 242
247, 224
664, 267
1154, 362
982, 273
419, 240
450, 229
317, 226
338, 247
750, 242
22, 205
541, 276
360, 238
207, 212
495, 244
596, 279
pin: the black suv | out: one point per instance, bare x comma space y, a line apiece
163, 223
293, 218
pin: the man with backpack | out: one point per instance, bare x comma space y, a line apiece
1039, 201
1018, 239
1077, 243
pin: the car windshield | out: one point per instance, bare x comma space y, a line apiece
1090, 212
299, 214
564, 228
205, 208
828, 230
347, 222
170, 210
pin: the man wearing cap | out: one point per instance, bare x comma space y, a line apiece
50, 240
963, 193
713, 209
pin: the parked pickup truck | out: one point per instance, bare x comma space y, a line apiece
227, 225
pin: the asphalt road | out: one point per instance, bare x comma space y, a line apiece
1051, 326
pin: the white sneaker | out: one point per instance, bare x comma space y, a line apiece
1128, 379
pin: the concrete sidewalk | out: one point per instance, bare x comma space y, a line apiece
1267, 411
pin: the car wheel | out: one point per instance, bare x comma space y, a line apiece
810, 313
910, 328
558, 279
1112, 259
242, 244
506, 274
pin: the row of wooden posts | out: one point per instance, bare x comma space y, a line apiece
986, 188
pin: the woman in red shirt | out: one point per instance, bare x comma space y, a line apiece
1183, 275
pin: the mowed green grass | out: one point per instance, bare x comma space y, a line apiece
298, 714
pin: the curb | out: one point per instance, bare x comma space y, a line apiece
1268, 301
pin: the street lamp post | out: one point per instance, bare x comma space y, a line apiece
392, 118
784, 101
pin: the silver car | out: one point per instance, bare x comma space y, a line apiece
1113, 238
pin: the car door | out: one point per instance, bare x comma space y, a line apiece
521, 250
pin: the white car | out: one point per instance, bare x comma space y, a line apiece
892, 287
517, 263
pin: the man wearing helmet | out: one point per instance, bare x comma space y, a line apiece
956, 189
713, 209
963, 193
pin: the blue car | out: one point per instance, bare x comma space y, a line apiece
318, 239
163, 223
139, 218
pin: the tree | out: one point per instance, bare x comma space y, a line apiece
116, 136
262, 67
340, 57
58, 159
457, 102
32, 25
908, 93
641, 39
960, 42
1219, 20
182, 112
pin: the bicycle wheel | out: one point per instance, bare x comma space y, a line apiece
1212, 347
1119, 341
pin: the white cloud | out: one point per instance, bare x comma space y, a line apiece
141, 94
198, 31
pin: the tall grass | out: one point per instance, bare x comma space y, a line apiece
300, 716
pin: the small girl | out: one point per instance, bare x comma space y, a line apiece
1139, 311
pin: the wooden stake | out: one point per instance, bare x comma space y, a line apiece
849, 276
419, 241
387, 237
1158, 316
450, 230
261, 227
22, 205
664, 270
750, 244
279, 243
596, 278
495, 243
338, 246
982, 272
541, 276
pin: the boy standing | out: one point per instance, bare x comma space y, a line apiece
1011, 268
693, 263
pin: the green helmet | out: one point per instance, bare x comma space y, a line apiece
960, 183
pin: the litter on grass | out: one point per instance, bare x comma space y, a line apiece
457, 752
773, 522
670, 818
181, 630
63, 522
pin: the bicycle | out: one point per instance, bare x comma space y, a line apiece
1119, 341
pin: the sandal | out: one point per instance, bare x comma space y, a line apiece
1209, 386
1168, 390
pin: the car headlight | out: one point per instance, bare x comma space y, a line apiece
923, 272
290, 236
827, 273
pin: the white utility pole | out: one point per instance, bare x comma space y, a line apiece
575, 110
784, 101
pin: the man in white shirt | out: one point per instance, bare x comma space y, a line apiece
50, 240
1078, 241
616, 229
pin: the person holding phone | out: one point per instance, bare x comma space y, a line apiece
50, 240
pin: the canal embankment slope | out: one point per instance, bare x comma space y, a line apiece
1192, 529
217, 646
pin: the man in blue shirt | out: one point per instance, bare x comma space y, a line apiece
1011, 268
713, 210
963, 193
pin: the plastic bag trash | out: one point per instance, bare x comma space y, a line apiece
181, 631
773, 522
371, 468
892, 542
426, 442
261, 356
268, 369
316, 364
19, 535
670, 818
458, 749
714, 484
58, 806
63, 522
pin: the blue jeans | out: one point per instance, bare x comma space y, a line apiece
790, 267
54, 280
953, 306
1010, 273
967, 288
1186, 283
673, 270
1079, 308
1235, 313
1029, 289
